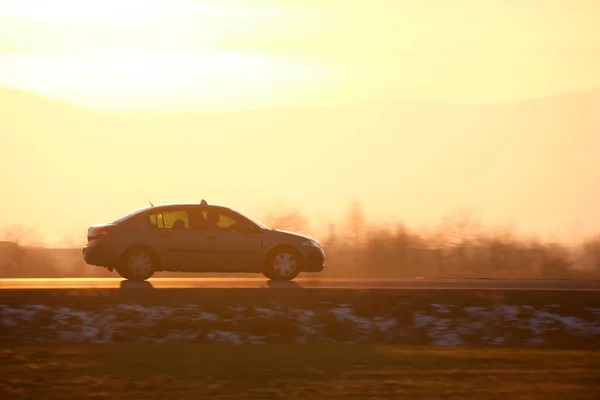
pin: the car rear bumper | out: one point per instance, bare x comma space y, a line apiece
99, 256
314, 259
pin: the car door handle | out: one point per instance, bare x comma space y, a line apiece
164, 235
212, 238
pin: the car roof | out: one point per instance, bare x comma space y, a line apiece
167, 206
175, 205
172, 205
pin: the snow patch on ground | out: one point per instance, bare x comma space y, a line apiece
225, 336
421, 320
267, 312
442, 308
593, 310
364, 325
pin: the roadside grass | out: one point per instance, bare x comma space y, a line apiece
345, 371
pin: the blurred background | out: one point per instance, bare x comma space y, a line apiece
438, 140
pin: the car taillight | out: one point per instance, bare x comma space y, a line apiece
98, 233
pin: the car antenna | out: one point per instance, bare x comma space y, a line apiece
151, 205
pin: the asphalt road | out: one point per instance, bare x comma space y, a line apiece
306, 283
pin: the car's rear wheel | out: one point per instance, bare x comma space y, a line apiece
137, 265
282, 265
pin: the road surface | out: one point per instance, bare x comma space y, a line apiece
306, 283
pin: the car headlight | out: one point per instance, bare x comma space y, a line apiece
311, 243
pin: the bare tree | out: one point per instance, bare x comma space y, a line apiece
355, 221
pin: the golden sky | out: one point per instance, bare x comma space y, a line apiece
216, 55
178, 55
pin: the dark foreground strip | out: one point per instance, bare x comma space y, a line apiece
322, 371
557, 319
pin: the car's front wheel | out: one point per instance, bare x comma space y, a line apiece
137, 265
282, 265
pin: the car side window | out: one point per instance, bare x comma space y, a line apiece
215, 219
170, 219
156, 220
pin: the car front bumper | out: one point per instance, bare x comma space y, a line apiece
314, 259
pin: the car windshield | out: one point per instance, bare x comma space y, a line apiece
263, 226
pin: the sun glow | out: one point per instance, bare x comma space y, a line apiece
129, 10
121, 79
229, 54
149, 55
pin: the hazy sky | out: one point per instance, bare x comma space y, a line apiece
131, 54
222, 55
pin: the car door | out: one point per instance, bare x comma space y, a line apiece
173, 240
230, 243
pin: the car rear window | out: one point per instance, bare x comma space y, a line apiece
129, 216
166, 219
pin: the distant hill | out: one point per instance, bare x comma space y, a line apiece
532, 161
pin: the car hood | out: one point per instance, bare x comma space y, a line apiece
292, 234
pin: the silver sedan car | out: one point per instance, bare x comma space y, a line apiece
198, 238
